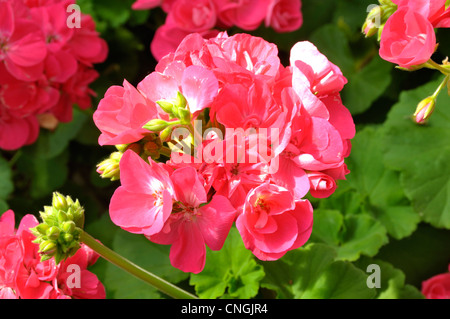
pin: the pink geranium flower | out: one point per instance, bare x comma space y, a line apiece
284, 15
22, 45
246, 15
273, 223
193, 224
143, 202
198, 85
408, 38
437, 287
122, 113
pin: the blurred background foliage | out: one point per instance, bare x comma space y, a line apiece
393, 210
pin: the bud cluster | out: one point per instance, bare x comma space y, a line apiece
377, 18
58, 235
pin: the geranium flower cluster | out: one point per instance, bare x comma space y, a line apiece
205, 16
23, 275
47, 53
221, 133
406, 31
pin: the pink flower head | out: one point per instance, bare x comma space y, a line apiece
22, 45
88, 287
314, 76
143, 202
437, 287
191, 16
193, 224
122, 113
24, 276
273, 223
322, 185
284, 15
198, 85
433, 10
245, 14
407, 39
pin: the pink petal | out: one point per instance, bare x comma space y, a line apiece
215, 221
200, 87
188, 253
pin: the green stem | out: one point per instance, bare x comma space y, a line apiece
121, 262
441, 86
164, 150
433, 65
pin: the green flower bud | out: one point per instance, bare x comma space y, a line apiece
48, 247
156, 125
53, 233
180, 101
59, 201
58, 235
40, 229
165, 106
68, 227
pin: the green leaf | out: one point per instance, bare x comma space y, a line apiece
350, 235
44, 175
51, 144
421, 154
379, 186
232, 270
6, 184
366, 85
392, 281
144, 253
312, 272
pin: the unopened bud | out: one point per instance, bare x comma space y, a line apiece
424, 110
59, 201
48, 247
165, 106
53, 233
156, 125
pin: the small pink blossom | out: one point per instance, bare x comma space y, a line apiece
284, 15
192, 224
410, 45
24, 276
143, 202
273, 223
122, 113
437, 287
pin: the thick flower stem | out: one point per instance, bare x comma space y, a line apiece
121, 262
433, 65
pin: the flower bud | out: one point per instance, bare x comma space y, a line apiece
68, 227
110, 168
53, 233
59, 201
59, 234
424, 110
156, 125
165, 106
48, 247
166, 134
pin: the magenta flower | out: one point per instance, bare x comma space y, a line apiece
24, 276
143, 202
437, 287
122, 113
193, 224
273, 223
410, 45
